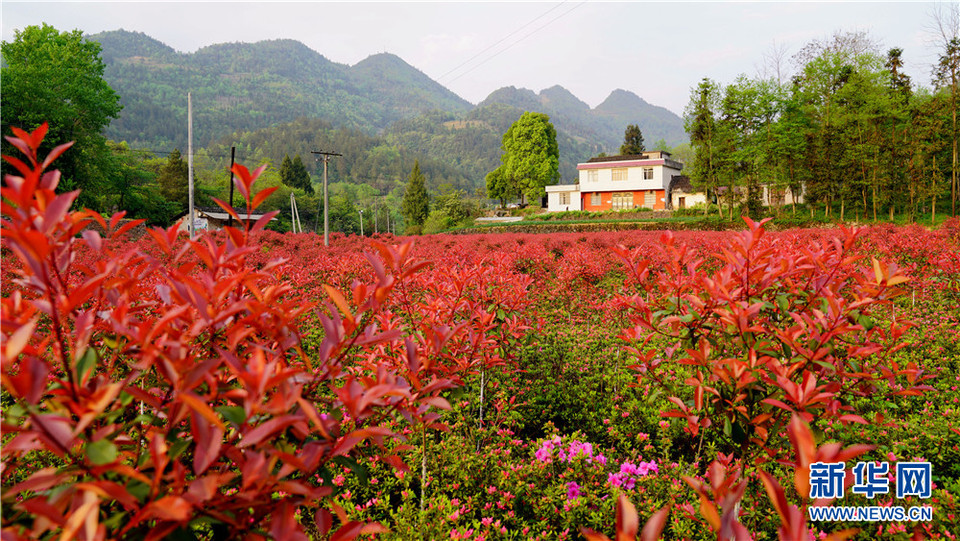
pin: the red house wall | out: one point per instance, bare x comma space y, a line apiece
606, 200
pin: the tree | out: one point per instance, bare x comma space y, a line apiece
530, 160
947, 76
632, 140
294, 174
173, 180
416, 201
700, 123
57, 77
285, 170
498, 187
300, 175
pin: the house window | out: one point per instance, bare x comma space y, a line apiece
595, 199
648, 173
682, 203
622, 200
564, 198
592, 175
620, 173
649, 199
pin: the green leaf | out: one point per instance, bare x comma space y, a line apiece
101, 452
178, 447
115, 521
139, 490
234, 414
86, 363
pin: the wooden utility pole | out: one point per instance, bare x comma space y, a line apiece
294, 215
233, 154
325, 156
190, 215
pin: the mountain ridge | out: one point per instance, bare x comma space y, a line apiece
242, 87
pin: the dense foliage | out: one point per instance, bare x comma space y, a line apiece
849, 130
57, 77
253, 383
530, 160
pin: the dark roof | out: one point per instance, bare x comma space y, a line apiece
682, 183
218, 213
217, 208
626, 157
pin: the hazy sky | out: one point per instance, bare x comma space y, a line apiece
656, 50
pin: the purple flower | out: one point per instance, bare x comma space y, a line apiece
573, 491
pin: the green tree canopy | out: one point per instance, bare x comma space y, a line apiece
173, 180
416, 201
294, 173
498, 187
57, 77
530, 160
632, 140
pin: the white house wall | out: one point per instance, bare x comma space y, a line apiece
553, 200
635, 181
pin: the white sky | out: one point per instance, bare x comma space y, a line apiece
656, 50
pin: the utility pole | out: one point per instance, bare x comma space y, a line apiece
233, 154
325, 156
361, 222
191, 217
294, 215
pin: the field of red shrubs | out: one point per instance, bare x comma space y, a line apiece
250, 384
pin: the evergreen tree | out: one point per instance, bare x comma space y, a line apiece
173, 180
416, 201
300, 177
286, 171
632, 140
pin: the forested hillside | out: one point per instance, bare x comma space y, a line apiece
367, 159
246, 87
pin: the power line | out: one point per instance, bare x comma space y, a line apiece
535, 19
517, 42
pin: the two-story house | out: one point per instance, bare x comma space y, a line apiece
618, 182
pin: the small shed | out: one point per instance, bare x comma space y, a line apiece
562, 197
215, 218
683, 194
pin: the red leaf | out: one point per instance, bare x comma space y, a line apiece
173, 508
627, 520
654, 526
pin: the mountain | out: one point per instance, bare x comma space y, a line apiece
601, 127
402, 87
623, 107
246, 86
241, 88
